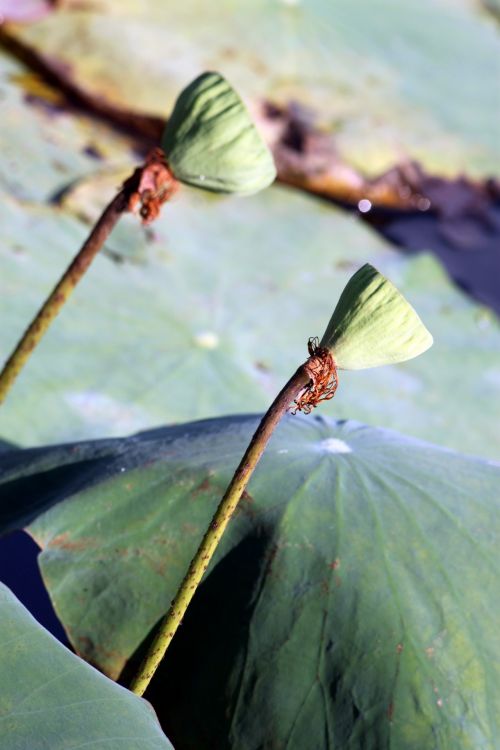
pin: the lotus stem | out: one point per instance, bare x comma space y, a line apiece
149, 186
218, 524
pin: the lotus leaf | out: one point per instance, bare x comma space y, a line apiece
52, 700
352, 602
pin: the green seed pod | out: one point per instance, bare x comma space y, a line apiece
211, 142
373, 324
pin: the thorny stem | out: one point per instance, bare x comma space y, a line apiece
212, 537
149, 186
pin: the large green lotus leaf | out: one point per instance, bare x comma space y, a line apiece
190, 329
211, 142
52, 700
382, 76
373, 324
353, 602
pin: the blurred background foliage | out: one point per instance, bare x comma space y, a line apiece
208, 311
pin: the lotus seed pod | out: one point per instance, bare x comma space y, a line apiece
211, 142
373, 324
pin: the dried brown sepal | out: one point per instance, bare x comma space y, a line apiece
323, 378
150, 186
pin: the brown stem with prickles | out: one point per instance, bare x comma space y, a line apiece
212, 537
150, 186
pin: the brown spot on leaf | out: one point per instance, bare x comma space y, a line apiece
229, 53
245, 505
204, 486
96, 655
190, 528
63, 541
246, 497
262, 367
